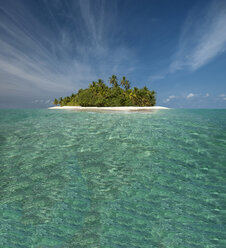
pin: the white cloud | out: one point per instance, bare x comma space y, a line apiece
207, 95
203, 37
170, 98
48, 101
42, 101
222, 97
190, 95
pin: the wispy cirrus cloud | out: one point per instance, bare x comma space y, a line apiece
156, 77
203, 37
59, 48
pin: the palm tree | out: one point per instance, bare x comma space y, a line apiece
113, 80
92, 85
125, 83
55, 102
61, 101
100, 82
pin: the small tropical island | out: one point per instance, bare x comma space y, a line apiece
119, 96
98, 94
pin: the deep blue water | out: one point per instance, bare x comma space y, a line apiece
80, 179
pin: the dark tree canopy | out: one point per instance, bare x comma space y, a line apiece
98, 94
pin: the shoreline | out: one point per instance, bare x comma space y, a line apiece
126, 108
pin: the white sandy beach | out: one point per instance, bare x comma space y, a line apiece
129, 108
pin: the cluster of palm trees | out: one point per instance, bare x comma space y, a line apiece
99, 94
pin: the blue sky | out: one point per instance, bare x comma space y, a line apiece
51, 48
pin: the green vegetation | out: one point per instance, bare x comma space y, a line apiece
98, 94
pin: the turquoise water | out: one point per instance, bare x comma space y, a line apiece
79, 179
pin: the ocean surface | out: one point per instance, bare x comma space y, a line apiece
113, 180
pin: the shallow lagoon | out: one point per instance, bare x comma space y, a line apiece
85, 179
